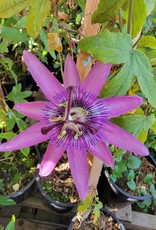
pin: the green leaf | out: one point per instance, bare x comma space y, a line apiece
1, 184
108, 47
131, 175
121, 83
81, 4
12, 7
152, 189
17, 96
142, 69
85, 204
14, 35
147, 41
143, 136
35, 20
150, 4
11, 122
11, 225
153, 127
135, 123
133, 162
151, 54
140, 204
21, 24
131, 184
4, 46
149, 179
121, 166
7, 135
139, 16
106, 10
6, 201
25, 151
147, 203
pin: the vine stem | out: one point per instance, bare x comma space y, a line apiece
120, 20
130, 16
61, 66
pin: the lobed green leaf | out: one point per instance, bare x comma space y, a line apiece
108, 47
143, 71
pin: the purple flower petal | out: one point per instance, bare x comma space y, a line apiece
50, 159
71, 76
122, 104
119, 137
102, 152
31, 109
96, 78
29, 137
79, 169
43, 77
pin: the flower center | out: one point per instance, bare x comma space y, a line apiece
73, 120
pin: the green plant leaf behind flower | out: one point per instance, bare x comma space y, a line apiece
131, 175
86, 204
4, 201
133, 162
147, 41
153, 190
12, 7
135, 16
96, 210
39, 10
14, 35
132, 185
149, 6
17, 95
121, 83
106, 10
149, 179
11, 224
136, 123
114, 48
143, 71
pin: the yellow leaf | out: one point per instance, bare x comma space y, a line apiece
39, 10
12, 7
54, 42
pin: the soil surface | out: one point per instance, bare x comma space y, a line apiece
104, 223
16, 171
59, 184
145, 168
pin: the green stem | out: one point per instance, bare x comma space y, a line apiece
61, 66
130, 16
120, 20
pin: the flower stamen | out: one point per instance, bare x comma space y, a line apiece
45, 130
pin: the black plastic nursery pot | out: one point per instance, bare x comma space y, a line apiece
23, 193
114, 196
106, 213
55, 205
28, 189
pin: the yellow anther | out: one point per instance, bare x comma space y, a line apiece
82, 110
52, 119
77, 135
62, 134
